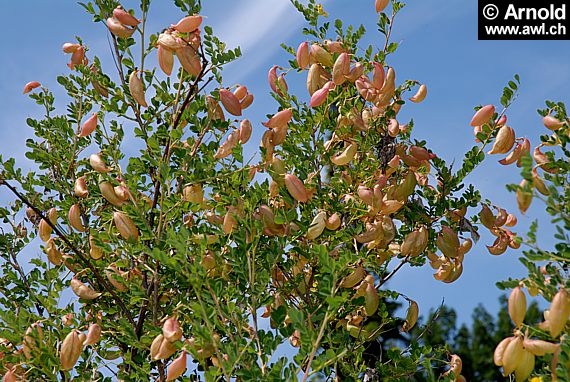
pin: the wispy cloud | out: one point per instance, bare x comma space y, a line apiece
255, 26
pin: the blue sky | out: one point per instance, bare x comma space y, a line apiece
438, 46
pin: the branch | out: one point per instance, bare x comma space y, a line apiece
316, 347
389, 32
72, 247
394, 271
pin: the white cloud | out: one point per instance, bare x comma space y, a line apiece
255, 26
254, 21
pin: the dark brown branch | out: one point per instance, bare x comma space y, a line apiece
394, 271
72, 247
192, 92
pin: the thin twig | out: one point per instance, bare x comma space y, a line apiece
39, 306
389, 32
315, 347
394, 271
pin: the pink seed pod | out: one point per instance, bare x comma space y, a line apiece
419, 153
540, 347
125, 17
282, 86
415, 243
31, 86
95, 252
371, 299
108, 192
499, 245
272, 78
245, 130
341, 69
69, 47
512, 355
171, 330
302, 56
539, 156
524, 197
333, 222
93, 335
320, 96
559, 312
513, 156
230, 102
189, 60
136, 88
502, 121
83, 291
77, 57
448, 242
80, 187
317, 226
420, 95
214, 109
279, 135
504, 142
227, 146
483, 115
118, 29
281, 118
411, 316
517, 306
165, 60
161, 348
53, 254
247, 101
122, 192
193, 193
188, 24
10, 376
314, 78
366, 194
393, 128
170, 42
296, 188
334, 46
74, 217
88, 126
356, 72
98, 164
378, 75
539, 183
389, 82
318, 54
125, 226
71, 348
365, 88
381, 5
116, 277
240, 92
177, 367
500, 351
552, 123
